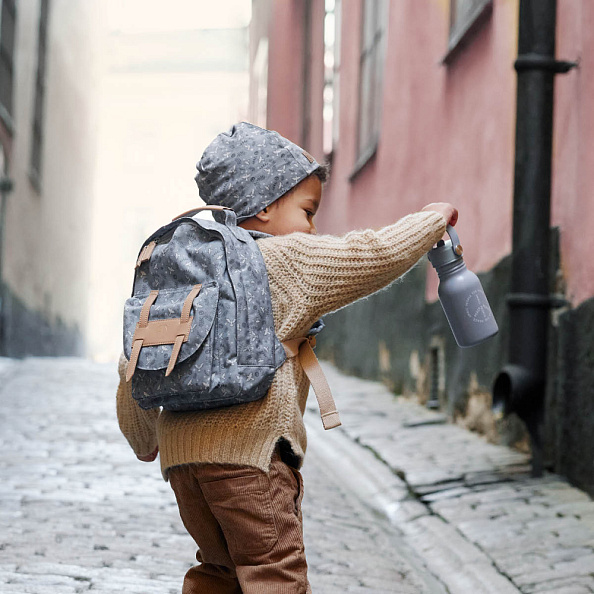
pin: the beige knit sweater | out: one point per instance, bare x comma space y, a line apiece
309, 276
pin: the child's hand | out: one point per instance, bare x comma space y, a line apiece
449, 213
149, 457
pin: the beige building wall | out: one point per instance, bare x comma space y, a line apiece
46, 256
134, 93
165, 94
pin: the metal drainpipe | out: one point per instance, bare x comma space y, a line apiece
520, 386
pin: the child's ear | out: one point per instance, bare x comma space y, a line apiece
263, 215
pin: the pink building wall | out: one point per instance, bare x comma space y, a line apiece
287, 52
314, 138
573, 154
285, 68
448, 131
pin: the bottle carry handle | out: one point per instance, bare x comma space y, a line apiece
456, 246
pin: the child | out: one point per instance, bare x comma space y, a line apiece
235, 470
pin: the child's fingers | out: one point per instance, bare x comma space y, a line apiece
454, 217
149, 457
449, 213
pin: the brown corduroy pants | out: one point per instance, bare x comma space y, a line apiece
247, 525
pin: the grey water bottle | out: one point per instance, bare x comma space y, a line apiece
461, 294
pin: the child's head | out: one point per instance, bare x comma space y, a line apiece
293, 212
273, 185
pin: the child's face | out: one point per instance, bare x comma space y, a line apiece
295, 211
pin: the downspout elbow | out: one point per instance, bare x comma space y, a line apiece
516, 389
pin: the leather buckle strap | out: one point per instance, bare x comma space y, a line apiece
174, 331
303, 348
137, 341
146, 253
186, 322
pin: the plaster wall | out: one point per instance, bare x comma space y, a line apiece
285, 69
45, 260
294, 107
573, 158
158, 112
258, 42
447, 131
313, 141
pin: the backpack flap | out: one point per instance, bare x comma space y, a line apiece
166, 327
214, 348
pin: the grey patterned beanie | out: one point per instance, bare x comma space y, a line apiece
248, 168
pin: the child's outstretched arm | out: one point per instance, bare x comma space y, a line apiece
137, 425
318, 274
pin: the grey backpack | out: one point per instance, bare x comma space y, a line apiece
198, 328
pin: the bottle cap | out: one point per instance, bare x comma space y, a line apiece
448, 251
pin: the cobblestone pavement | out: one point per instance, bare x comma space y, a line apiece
473, 513
78, 512
351, 546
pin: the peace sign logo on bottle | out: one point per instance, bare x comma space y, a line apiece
477, 307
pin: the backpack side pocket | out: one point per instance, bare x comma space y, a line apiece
168, 330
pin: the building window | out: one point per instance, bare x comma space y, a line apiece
465, 16
371, 78
332, 22
37, 140
259, 84
7, 28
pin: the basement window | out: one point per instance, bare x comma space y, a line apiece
466, 16
437, 392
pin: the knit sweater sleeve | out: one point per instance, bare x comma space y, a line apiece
137, 425
317, 274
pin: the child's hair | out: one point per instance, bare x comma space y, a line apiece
322, 173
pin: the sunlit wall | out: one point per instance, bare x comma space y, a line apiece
171, 80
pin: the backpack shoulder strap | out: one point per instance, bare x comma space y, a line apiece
303, 348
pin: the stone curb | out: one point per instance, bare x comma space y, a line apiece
474, 514
373, 483
450, 562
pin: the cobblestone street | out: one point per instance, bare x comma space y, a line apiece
79, 513
396, 500
478, 519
